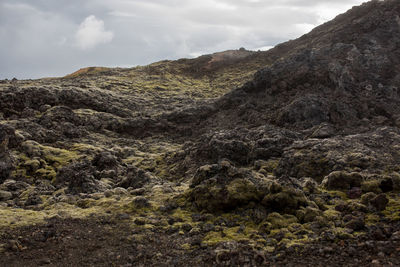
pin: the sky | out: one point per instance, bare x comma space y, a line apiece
48, 38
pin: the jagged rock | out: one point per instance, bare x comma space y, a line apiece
79, 178
135, 178
284, 199
141, 202
4, 195
366, 198
13, 186
6, 162
354, 193
342, 180
317, 158
379, 202
355, 223
223, 187
386, 185
105, 160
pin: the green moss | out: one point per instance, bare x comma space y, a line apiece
278, 221
371, 219
307, 214
392, 211
341, 233
268, 167
371, 186
332, 214
45, 163
337, 194
242, 191
283, 199
48, 173
186, 246
183, 215
290, 242
57, 157
229, 234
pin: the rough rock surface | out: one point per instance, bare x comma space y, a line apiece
200, 162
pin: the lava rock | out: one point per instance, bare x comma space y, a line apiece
379, 202
340, 180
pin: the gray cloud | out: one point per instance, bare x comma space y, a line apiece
54, 37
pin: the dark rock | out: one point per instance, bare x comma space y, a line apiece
4, 195
380, 202
354, 193
386, 185
141, 202
356, 224
135, 178
284, 199
105, 160
186, 227
339, 180
208, 227
33, 200
79, 177
366, 198
223, 187
139, 221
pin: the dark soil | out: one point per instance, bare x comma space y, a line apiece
108, 242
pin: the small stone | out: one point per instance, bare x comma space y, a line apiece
123, 216
139, 221
395, 236
208, 227
108, 193
44, 261
120, 191
328, 250
137, 191
380, 202
186, 227
141, 202
375, 263
356, 224
4, 195
352, 251
354, 193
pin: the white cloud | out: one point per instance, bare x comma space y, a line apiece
91, 32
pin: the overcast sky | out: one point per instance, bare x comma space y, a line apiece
43, 38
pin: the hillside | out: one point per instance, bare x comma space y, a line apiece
285, 157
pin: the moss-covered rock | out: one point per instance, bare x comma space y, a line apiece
371, 186
223, 187
284, 199
340, 180
308, 214
278, 221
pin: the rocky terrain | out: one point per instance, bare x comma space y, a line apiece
286, 157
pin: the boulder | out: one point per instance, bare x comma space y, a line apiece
4, 195
221, 187
340, 180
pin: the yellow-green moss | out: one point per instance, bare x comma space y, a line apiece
228, 234
45, 163
371, 186
371, 219
279, 221
332, 214
392, 211
242, 191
